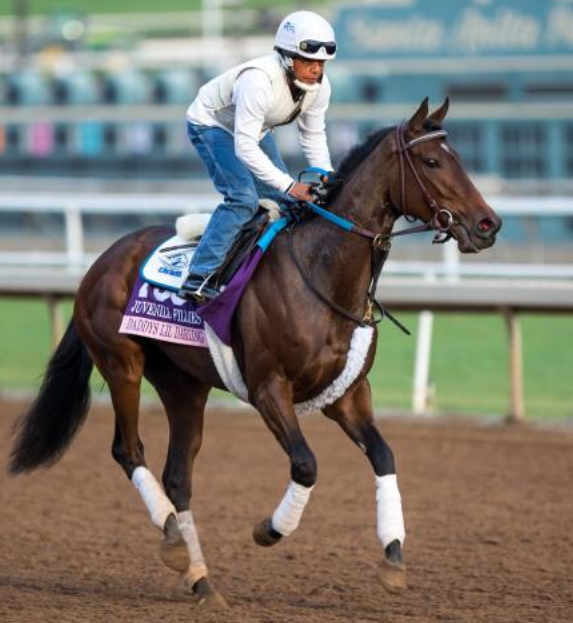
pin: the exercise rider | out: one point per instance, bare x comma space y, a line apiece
230, 124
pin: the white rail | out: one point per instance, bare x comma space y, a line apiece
74, 205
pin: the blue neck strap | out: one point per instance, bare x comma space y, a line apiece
333, 218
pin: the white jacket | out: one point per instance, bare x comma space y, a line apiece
254, 97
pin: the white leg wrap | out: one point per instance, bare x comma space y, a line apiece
197, 568
288, 513
389, 510
158, 504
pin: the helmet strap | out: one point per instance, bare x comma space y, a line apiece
287, 61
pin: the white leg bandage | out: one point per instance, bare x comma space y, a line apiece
389, 510
158, 504
288, 513
197, 568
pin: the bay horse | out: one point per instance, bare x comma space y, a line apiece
289, 345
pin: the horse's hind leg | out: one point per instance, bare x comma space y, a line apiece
120, 361
184, 400
273, 400
353, 412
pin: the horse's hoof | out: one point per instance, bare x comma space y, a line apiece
173, 548
393, 570
206, 595
265, 535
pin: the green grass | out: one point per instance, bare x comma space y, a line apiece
469, 360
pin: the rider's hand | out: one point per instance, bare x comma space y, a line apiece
300, 191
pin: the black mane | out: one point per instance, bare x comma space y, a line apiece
355, 157
358, 154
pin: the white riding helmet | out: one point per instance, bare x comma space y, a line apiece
306, 34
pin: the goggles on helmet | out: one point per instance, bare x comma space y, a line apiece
310, 46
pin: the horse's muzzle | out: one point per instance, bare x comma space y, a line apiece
473, 238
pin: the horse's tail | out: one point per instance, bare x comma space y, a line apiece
46, 430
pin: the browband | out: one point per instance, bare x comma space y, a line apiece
425, 137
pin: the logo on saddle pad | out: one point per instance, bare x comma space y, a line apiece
174, 264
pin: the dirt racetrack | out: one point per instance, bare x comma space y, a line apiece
489, 517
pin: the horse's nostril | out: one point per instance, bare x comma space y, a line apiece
488, 227
485, 225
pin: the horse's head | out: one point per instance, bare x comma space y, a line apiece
434, 185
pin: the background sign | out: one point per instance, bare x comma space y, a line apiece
455, 28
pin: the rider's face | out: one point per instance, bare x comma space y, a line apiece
307, 70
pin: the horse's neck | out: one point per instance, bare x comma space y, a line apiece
343, 259
340, 261
365, 198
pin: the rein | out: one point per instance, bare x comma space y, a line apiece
381, 243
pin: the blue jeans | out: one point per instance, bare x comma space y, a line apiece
240, 189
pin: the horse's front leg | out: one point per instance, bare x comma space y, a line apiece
354, 414
273, 400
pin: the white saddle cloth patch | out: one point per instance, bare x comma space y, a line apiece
229, 371
168, 265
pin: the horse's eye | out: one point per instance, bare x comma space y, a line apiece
431, 163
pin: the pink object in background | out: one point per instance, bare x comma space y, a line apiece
41, 139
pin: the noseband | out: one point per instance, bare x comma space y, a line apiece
442, 219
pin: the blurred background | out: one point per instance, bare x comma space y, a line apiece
93, 144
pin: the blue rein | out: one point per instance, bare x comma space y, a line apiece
377, 239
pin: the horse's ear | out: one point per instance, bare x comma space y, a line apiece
439, 115
419, 116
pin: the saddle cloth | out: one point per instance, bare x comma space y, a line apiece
161, 315
155, 310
